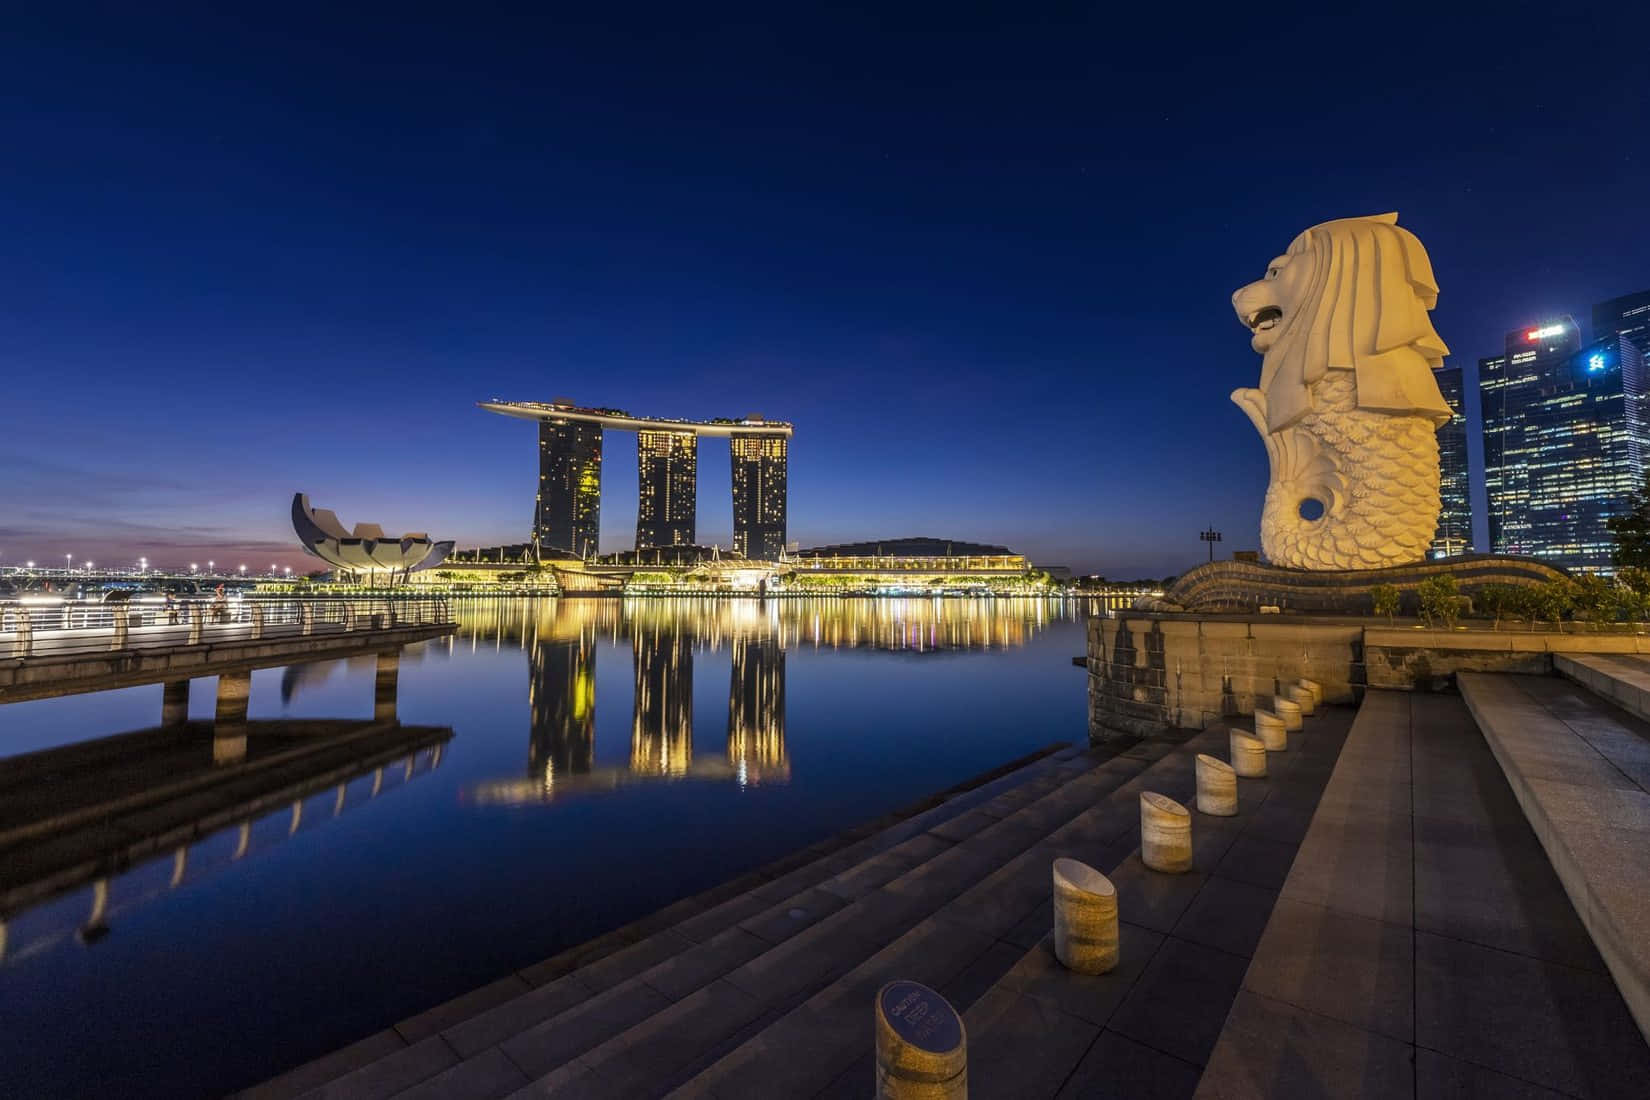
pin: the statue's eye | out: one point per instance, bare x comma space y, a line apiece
1271, 273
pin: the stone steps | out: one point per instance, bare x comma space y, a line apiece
708, 926
975, 942
1580, 769
666, 1046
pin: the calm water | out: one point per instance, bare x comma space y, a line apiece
606, 758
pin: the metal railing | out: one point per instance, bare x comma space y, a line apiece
47, 626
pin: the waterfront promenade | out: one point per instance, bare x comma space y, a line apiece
1380, 919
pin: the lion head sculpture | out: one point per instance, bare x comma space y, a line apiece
1351, 294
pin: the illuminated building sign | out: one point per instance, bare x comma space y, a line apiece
1543, 332
1595, 362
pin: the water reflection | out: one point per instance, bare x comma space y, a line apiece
82, 845
561, 638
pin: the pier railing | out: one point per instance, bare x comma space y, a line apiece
47, 626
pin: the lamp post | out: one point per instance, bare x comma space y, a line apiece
1211, 536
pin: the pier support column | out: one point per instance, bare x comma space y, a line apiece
922, 1049
174, 702
229, 732
385, 685
1085, 918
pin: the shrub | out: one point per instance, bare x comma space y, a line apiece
1440, 601
1384, 597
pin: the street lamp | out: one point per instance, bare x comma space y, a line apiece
143, 565
211, 566
193, 567
243, 570
68, 562
1211, 536
289, 570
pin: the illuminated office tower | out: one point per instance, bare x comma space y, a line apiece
1455, 517
1627, 316
760, 475
568, 515
561, 699
1585, 441
661, 731
667, 488
756, 709
1509, 386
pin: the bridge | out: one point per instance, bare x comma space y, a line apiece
51, 647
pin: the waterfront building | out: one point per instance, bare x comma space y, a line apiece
1508, 387
667, 480
760, 479
561, 700
569, 502
1565, 441
1454, 487
1627, 316
567, 516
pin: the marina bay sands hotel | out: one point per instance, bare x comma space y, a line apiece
568, 515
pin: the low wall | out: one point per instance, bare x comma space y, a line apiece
1154, 671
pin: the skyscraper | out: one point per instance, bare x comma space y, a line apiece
756, 708
567, 517
1627, 316
561, 702
1565, 438
1508, 386
760, 477
661, 728
1455, 517
667, 488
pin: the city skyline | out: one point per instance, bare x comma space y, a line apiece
976, 268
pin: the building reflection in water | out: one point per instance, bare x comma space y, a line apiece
661, 730
562, 637
756, 710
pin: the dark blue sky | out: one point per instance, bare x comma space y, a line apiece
981, 257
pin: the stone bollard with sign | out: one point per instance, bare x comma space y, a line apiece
1302, 697
922, 1050
1269, 729
1216, 787
1165, 834
1288, 710
1315, 688
1085, 918
1248, 755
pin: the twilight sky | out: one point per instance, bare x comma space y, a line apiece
980, 255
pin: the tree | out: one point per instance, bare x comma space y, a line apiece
1594, 599
1440, 601
1497, 601
1384, 597
1552, 600
1631, 530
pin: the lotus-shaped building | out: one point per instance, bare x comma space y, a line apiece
366, 549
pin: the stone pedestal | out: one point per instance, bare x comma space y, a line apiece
1085, 918
922, 1049
1288, 710
1302, 697
1216, 787
1269, 728
1165, 834
1316, 689
1248, 755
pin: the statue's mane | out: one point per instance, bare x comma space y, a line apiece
1365, 310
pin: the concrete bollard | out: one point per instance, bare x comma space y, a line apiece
349, 616
1315, 688
1301, 697
1085, 918
1216, 787
306, 618
1165, 834
196, 619
121, 623
1269, 728
1248, 755
1288, 710
257, 621
922, 1049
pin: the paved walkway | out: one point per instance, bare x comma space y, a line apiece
1422, 944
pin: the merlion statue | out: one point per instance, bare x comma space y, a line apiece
1347, 404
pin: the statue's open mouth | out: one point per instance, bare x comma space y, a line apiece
1265, 320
